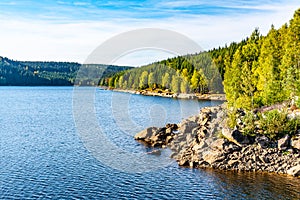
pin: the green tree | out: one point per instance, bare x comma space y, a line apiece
144, 80
184, 86
232, 80
166, 80
269, 88
291, 59
151, 80
175, 84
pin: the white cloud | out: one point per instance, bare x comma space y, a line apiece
62, 40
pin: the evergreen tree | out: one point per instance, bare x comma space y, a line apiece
144, 80
291, 59
175, 84
166, 80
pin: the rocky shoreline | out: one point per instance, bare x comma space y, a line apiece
160, 93
202, 142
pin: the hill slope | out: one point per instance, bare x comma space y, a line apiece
20, 73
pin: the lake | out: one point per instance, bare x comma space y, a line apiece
49, 149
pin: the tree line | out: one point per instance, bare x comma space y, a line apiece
181, 74
20, 73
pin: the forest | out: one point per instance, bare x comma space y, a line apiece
182, 74
258, 71
20, 73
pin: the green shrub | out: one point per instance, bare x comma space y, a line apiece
298, 103
250, 121
231, 118
275, 124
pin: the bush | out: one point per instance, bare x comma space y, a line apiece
276, 124
273, 124
232, 118
250, 124
298, 103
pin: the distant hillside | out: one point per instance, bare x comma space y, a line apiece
183, 74
20, 73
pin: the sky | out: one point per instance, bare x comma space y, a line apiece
69, 30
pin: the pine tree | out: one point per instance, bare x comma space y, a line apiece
268, 86
151, 80
166, 81
232, 79
175, 84
291, 59
144, 80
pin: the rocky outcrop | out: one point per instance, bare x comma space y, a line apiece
202, 141
157, 137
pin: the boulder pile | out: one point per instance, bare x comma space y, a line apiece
203, 141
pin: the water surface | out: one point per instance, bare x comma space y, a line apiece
41, 154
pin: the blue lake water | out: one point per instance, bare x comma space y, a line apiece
43, 155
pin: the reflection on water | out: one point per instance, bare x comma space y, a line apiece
41, 154
252, 185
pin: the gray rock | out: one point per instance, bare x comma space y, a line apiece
235, 136
295, 142
284, 143
212, 157
147, 133
262, 141
187, 127
294, 171
218, 144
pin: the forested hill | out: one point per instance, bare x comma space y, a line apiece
20, 73
182, 74
258, 71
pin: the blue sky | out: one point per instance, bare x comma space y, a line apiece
68, 30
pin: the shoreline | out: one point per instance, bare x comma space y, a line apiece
165, 94
203, 141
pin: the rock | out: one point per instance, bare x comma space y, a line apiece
199, 146
294, 171
205, 110
295, 142
212, 157
155, 152
204, 121
172, 126
231, 147
195, 145
147, 133
262, 141
284, 143
187, 127
218, 144
193, 118
233, 162
235, 136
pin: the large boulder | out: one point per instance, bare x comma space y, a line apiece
295, 142
187, 127
235, 136
284, 143
147, 133
218, 144
212, 156
294, 171
263, 141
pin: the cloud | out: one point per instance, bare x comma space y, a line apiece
65, 32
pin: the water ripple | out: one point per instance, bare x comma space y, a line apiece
41, 156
